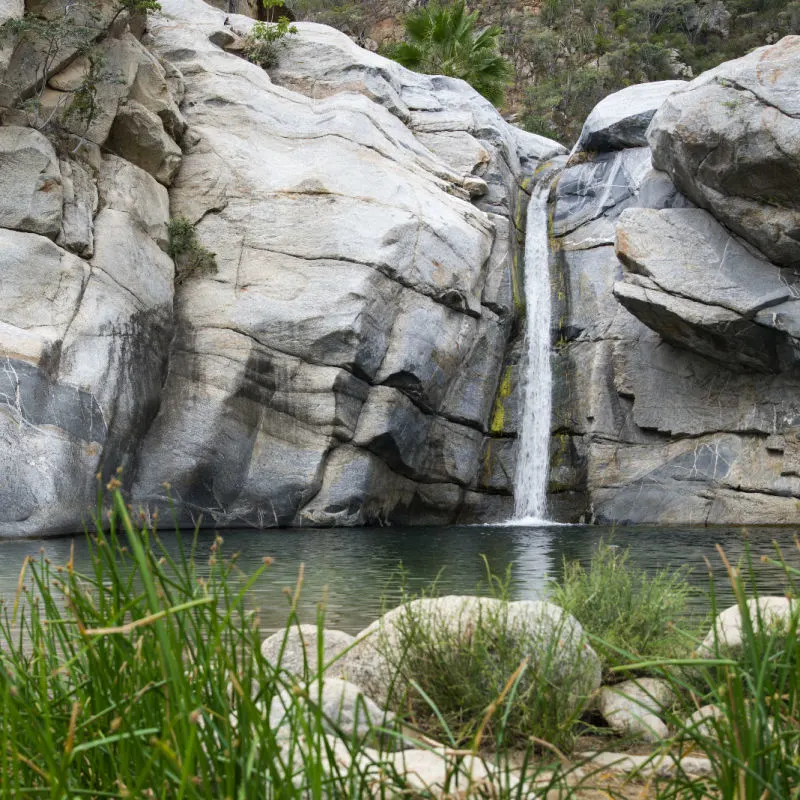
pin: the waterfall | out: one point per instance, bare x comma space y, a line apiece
533, 457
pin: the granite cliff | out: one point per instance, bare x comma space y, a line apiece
354, 358
676, 247
340, 366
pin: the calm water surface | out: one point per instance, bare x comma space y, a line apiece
357, 570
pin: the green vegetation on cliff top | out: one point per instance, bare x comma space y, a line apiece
566, 55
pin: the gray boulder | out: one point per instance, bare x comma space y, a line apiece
702, 722
670, 379
344, 707
30, 182
599, 188
635, 707
138, 135
621, 119
700, 288
83, 346
553, 639
726, 635
730, 140
297, 647
709, 16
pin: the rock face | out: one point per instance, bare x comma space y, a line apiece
30, 182
341, 365
688, 279
355, 359
730, 140
677, 362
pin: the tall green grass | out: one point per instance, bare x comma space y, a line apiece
142, 679
628, 612
753, 743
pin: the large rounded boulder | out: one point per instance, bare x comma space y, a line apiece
731, 141
551, 640
773, 614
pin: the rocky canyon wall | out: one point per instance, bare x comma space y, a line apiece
676, 252
355, 358
340, 366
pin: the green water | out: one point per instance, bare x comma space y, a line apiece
356, 571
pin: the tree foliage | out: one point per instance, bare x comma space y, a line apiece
445, 40
564, 56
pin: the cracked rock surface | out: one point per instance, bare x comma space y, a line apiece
677, 369
730, 140
340, 367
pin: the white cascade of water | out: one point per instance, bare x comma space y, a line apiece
533, 457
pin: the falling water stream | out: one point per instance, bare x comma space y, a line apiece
533, 457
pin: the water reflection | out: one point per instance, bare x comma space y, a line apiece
359, 570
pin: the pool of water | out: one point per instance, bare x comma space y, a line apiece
358, 571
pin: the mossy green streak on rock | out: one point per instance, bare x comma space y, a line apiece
499, 412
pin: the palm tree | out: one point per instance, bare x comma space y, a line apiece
442, 40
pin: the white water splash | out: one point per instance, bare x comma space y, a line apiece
533, 458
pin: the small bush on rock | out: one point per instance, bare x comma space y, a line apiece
481, 669
262, 43
190, 257
627, 612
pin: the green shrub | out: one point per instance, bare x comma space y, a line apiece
54, 37
261, 45
190, 257
450, 669
443, 40
627, 612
